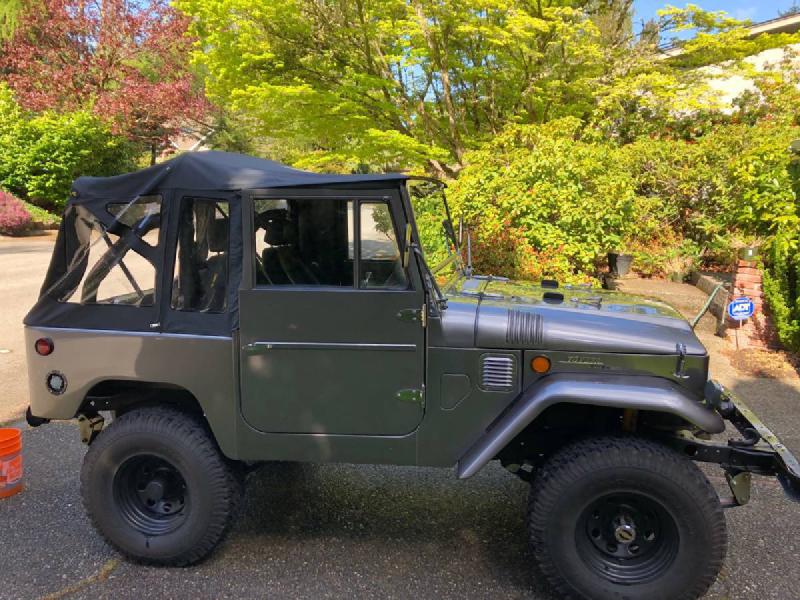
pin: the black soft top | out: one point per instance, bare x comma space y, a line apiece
89, 221
206, 171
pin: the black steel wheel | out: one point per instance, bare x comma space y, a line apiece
627, 537
155, 485
151, 494
625, 518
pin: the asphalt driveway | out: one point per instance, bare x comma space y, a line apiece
341, 531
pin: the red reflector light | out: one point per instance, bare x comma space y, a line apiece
44, 346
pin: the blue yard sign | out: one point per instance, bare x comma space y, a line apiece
740, 309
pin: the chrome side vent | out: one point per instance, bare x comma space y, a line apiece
497, 372
524, 328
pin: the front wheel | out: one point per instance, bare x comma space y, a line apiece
157, 488
626, 518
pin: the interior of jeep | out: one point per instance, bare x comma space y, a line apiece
200, 281
313, 242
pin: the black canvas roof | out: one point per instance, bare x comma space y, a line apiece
210, 170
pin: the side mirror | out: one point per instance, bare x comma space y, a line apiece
407, 246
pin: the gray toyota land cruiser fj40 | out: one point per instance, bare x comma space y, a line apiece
226, 310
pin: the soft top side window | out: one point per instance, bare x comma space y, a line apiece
131, 213
106, 265
200, 280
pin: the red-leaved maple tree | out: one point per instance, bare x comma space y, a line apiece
126, 59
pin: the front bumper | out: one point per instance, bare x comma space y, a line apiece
759, 451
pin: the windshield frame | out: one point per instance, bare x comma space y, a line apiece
452, 256
434, 298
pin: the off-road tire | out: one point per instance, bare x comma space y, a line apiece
212, 484
572, 482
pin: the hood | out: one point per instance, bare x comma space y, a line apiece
523, 315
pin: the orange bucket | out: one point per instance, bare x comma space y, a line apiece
10, 462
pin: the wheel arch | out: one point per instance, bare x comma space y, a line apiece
124, 395
641, 393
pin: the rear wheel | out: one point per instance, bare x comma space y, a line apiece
626, 518
157, 488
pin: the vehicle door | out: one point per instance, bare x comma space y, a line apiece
330, 330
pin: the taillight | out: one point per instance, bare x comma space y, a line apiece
44, 346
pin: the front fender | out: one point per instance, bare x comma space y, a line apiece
635, 392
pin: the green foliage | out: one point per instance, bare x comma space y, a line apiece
782, 286
782, 273
544, 204
41, 154
9, 16
729, 186
40, 215
396, 83
429, 212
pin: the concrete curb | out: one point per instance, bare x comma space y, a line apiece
13, 421
14, 418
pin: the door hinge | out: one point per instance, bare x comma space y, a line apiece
413, 314
410, 395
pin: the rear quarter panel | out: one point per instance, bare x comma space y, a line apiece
203, 365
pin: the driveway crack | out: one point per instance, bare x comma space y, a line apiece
102, 574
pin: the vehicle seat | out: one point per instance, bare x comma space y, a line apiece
282, 262
215, 274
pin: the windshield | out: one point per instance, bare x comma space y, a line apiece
436, 231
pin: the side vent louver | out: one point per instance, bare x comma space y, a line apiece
524, 328
497, 372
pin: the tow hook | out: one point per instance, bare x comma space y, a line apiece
90, 426
739, 482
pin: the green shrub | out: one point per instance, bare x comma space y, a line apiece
543, 204
729, 187
782, 286
40, 215
41, 154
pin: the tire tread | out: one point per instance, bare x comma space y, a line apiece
582, 457
226, 486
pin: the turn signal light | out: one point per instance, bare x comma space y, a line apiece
44, 346
540, 364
